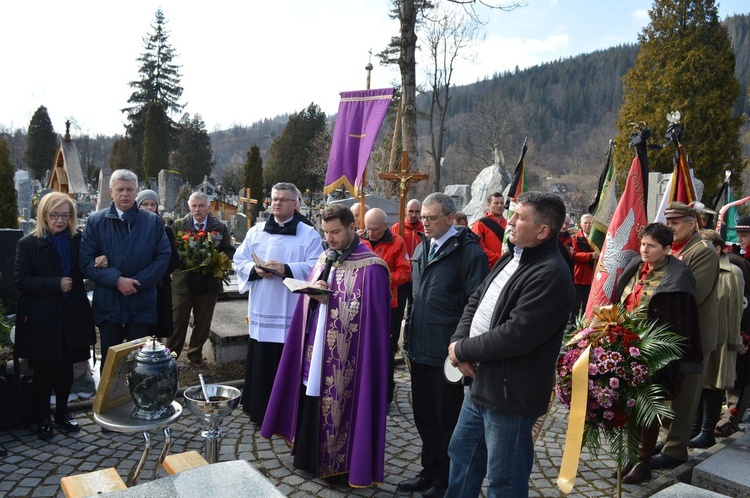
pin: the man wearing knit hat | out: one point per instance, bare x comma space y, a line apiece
701, 258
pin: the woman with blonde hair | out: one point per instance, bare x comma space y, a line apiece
54, 325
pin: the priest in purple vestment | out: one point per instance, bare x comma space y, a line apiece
329, 399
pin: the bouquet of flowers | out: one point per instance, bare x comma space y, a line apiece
612, 359
199, 253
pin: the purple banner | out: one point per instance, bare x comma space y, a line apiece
357, 125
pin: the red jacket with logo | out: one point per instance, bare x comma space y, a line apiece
488, 241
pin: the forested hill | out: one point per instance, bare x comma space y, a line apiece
567, 108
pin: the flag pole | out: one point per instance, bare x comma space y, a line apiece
361, 221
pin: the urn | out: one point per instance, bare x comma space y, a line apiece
152, 378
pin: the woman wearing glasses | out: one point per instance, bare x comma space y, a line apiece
54, 325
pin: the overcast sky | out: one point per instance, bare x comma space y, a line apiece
243, 61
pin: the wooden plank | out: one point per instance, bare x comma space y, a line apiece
179, 462
92, 483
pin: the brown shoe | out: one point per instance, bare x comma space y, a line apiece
197, 364
640, 473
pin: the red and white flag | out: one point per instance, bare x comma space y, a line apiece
621, 243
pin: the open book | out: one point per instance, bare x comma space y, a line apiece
293, 284
262, 265
304, 287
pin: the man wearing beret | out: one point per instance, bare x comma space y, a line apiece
703, 262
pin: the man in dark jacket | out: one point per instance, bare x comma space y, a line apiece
201, 301
507, 343
447, 267
134, 246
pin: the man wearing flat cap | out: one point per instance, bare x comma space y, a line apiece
703, 262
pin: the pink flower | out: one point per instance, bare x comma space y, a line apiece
608, 415
614, 382
634, 351
631, 403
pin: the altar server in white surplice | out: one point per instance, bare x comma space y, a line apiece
286, 246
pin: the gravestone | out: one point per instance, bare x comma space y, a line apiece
23, 187
461, 195
103, 198
240, 227
8, 293
170, 184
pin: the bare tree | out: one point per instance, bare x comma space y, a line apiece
448, 35
499, 123
408, 13
319, 150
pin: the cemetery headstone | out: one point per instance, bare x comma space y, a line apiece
240, 227
170, 184
461, 195
103, 198
8, 293
23, 187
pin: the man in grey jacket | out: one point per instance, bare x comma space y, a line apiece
446, 269
507, 343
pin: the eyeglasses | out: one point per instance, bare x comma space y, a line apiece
282, 199
432, 219
57, 216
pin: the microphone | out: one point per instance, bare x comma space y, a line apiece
331, 258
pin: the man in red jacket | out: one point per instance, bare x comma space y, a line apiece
584, 261
391, 248
491, 228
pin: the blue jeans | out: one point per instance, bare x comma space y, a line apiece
486, 442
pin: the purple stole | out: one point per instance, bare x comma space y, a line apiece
354, 372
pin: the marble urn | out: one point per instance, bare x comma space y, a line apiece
152, 378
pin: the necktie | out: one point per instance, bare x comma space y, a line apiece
125, 223
433, 250
199, 226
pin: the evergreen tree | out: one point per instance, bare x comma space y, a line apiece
41, 144
253, 175
8, 202
289, 157
123, 156
159, 82
155, 142
193, 158
685, 64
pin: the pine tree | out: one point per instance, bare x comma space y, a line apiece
289, 155
253, 175
193, 158
155, 142
8, 203
123, 156
160, 82
41, 144
685, 64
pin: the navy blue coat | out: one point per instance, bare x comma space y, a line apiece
440, 290
142, 254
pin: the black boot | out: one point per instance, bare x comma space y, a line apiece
711, 401
695, 430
